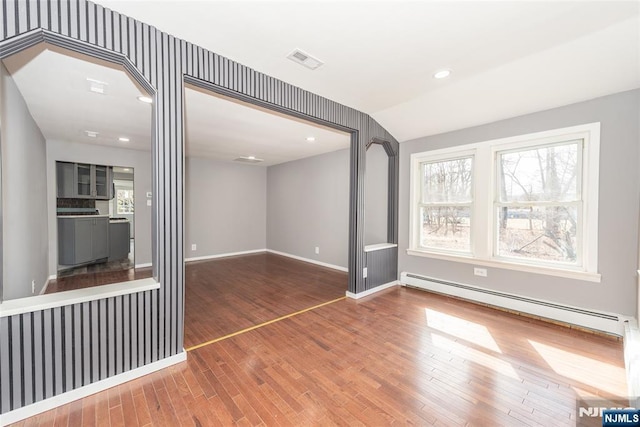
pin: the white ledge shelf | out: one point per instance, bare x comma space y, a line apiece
60, 299
379, 247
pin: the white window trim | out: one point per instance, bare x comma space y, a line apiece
483, 227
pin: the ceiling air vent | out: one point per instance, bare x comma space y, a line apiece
250, 159
305, 59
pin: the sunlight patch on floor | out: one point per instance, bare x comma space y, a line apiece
461, 328
600, 375
475, 356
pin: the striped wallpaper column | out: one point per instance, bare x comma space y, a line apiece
48, 352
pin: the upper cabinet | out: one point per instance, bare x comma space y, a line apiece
84, 181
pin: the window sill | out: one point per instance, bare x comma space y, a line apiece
506, 265
60, 299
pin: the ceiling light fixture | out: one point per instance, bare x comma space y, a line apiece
311, 139
126, 169
248, 159
96, 86
123, 139
145, 99
442, 74
91, 133
303, 58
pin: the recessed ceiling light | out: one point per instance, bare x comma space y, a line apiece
123, 139
145, 99
311, 139
442, 74
91, 133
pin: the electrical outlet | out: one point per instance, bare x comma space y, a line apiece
148, 202
33, 286
364, 273
480, 271
194, 247
317, 250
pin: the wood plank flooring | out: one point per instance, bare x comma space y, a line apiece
226, 295
403, 357
98, 278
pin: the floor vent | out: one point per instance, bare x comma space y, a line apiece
606, 322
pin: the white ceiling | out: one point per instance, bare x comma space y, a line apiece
56, 91
219, 128
55, 87
508, 57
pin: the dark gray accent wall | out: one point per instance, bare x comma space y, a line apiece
225, 207
25, 199
618, 206
48, 351
380, 266
308, 207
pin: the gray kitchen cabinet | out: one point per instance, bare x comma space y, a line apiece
65, 179
84, 181
119, 240
82, 239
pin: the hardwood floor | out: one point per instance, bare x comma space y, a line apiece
91, 279
229, 294
402, 356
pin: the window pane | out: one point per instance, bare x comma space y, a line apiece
544, 174
446, 228
448, 181
124, 199
538, 233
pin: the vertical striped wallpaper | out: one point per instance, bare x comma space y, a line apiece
45, 353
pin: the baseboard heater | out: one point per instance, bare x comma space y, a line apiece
606, 322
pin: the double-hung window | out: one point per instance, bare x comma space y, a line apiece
446, 199
528, 203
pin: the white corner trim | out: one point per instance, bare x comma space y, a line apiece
60, 299
632, 357
143, 265
379, 247
205, 257
64, 398
373, 290
312, 261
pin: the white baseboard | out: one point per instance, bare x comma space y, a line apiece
205, 257
601, 321
312, 261
373, 290
64, 398
144, 265
46, 285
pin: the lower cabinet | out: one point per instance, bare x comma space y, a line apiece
82, 240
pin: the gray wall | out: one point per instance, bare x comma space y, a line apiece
225, 207
140, 161
618, 206
24, 196
308, 206
376, 195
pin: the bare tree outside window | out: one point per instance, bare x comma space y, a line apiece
445, 205
539, 202
124, 199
